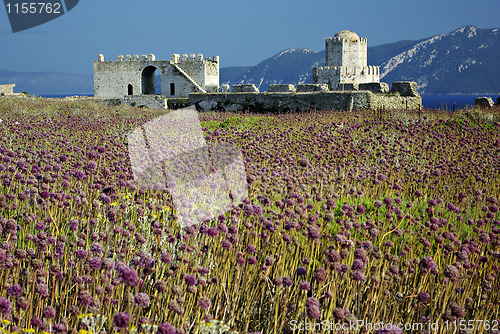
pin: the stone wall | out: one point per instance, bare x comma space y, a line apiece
281, 88
149, 101
7, 89
283, 102
136, 75
394, 102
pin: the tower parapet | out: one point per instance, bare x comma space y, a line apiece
345, 62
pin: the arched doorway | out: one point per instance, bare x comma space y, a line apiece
149, 87
130, 89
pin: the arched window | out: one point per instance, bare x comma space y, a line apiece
130, 89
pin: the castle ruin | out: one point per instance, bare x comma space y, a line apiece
130, 76
346, 82
345, 63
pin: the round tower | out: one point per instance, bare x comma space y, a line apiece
346, 48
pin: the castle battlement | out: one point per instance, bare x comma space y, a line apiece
361, 40
345, 62
136, 75
177, 59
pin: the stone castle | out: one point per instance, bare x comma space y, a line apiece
346, 82
345, 63
129, 76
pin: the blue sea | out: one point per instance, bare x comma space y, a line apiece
444, 102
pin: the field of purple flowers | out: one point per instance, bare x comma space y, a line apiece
387, 218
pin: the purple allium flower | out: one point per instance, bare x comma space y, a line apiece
313, 308
424, 297
108, 264
313, 232
190, 280
142, 300
49, 312
340, 313
14, 290
79, 174
304, 285
37, 322
213, 231
60, 327
226, 244
166, 328
394, 269
252, 260
428, 263
5, 307
85, 298
96, 248
176, 290
161, 286
91, 165
73, 224
95, 263
320, 275
250, 248
121, 320
301, 271
174, 306
452, 272
287, 281
269, 261
204, 303
277, 281
452, 207
358, 265
166, 258
357, 275
42, 289
457, 310
360, 254
128, 275
81, 253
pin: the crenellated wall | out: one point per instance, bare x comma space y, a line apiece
345, 62
135, 75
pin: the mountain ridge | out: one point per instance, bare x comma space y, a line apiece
464, 61
409, 60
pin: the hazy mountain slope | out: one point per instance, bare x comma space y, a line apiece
48, 82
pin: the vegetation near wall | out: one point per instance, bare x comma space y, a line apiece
379, 217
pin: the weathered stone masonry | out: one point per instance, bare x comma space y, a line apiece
7, 89
319, 100
346, 82
179, 76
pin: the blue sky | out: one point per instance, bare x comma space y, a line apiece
242, 32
